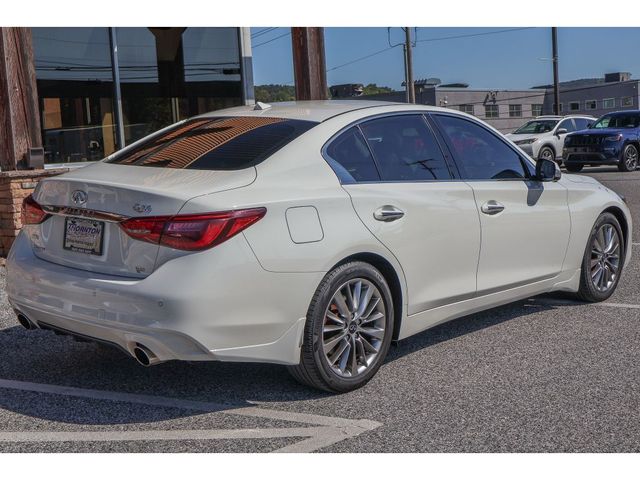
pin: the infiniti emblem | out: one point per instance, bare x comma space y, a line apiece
79, 197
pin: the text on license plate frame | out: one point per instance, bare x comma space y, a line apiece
92, 243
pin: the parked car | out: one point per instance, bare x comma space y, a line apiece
614, 139
543, 138
309, 234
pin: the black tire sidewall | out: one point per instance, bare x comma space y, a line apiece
546, 147
587, 290
316, 317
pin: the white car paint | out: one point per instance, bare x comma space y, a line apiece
532, 143
246, 299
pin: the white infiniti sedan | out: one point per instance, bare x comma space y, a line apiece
310, 234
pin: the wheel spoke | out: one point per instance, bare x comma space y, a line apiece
339, 352
332, 316
328, 345
364, 301
373, 318
354, 358
367, 345
342, 305
332, 328
373, 332
344, 358
357, 293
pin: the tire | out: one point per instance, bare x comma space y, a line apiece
547, 153
574, 168
316, 368
590, 284
629, 160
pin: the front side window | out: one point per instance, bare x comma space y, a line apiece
480, 154
515, 110
223, 143
567, 125
405, 149
581, 123
351, 159
491, 111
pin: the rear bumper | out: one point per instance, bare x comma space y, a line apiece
185, 310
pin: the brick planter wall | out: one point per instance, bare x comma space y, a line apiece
14, 187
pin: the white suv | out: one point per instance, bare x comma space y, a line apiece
543, 138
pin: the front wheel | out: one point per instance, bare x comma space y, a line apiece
547, 153
348, 330
574, 168
603, 260
629, 160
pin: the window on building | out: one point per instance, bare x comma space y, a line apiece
626, 102
467, 109
405, 149
491, 111
480, 154
536, 109
515, 110
574, 106
590, 105
609, 103
351, 159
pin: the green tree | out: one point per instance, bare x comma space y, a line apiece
274, 93
372, 89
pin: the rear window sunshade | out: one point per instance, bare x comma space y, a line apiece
223, 143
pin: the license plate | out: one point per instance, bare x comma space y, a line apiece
83, 236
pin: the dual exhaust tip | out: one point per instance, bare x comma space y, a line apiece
142, 354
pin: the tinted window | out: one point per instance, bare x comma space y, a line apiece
618, 120
405, 149
581, 123
480, 154
226, 143
568, 124
351, 159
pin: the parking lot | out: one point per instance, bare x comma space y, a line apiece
544, 375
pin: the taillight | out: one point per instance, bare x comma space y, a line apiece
32, 212
192, 232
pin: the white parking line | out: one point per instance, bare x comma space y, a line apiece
325, 432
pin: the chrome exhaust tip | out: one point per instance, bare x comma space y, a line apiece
25, 322
144, 356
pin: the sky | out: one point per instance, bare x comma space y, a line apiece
497, 58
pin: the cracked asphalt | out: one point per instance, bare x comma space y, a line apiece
542, 375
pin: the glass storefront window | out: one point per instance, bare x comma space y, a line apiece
166, 74
75, 88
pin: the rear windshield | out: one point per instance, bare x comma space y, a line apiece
224, 143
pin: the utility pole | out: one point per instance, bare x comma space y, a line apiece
556, 84
411, 93
309, 69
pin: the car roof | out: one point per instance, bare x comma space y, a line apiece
310, 110
560, 117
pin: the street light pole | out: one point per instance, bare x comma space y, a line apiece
556, 83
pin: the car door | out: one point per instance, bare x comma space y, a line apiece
558, 139
525, 224
404, 191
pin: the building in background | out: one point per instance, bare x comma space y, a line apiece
162, 75
507, 110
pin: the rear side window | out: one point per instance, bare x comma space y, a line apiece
405, 149
351, 159
224, 143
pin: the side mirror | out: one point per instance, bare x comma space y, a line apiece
561, 131
547, 171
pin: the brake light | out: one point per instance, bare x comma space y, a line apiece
32, 212
192, 232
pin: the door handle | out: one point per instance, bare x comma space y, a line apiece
388, 213
492, 207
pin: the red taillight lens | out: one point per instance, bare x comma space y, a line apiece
192, 232
32, 212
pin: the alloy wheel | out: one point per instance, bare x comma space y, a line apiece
631, 157
605, 257
546, 154
354, 327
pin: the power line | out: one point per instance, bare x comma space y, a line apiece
271, 40
263, 32
362, 58
468, 35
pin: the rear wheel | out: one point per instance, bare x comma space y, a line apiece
603, 259
629, 160
348, 330
574, 168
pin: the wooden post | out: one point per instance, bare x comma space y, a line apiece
19, 112
309, 67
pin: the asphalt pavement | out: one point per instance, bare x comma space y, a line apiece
543, 375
